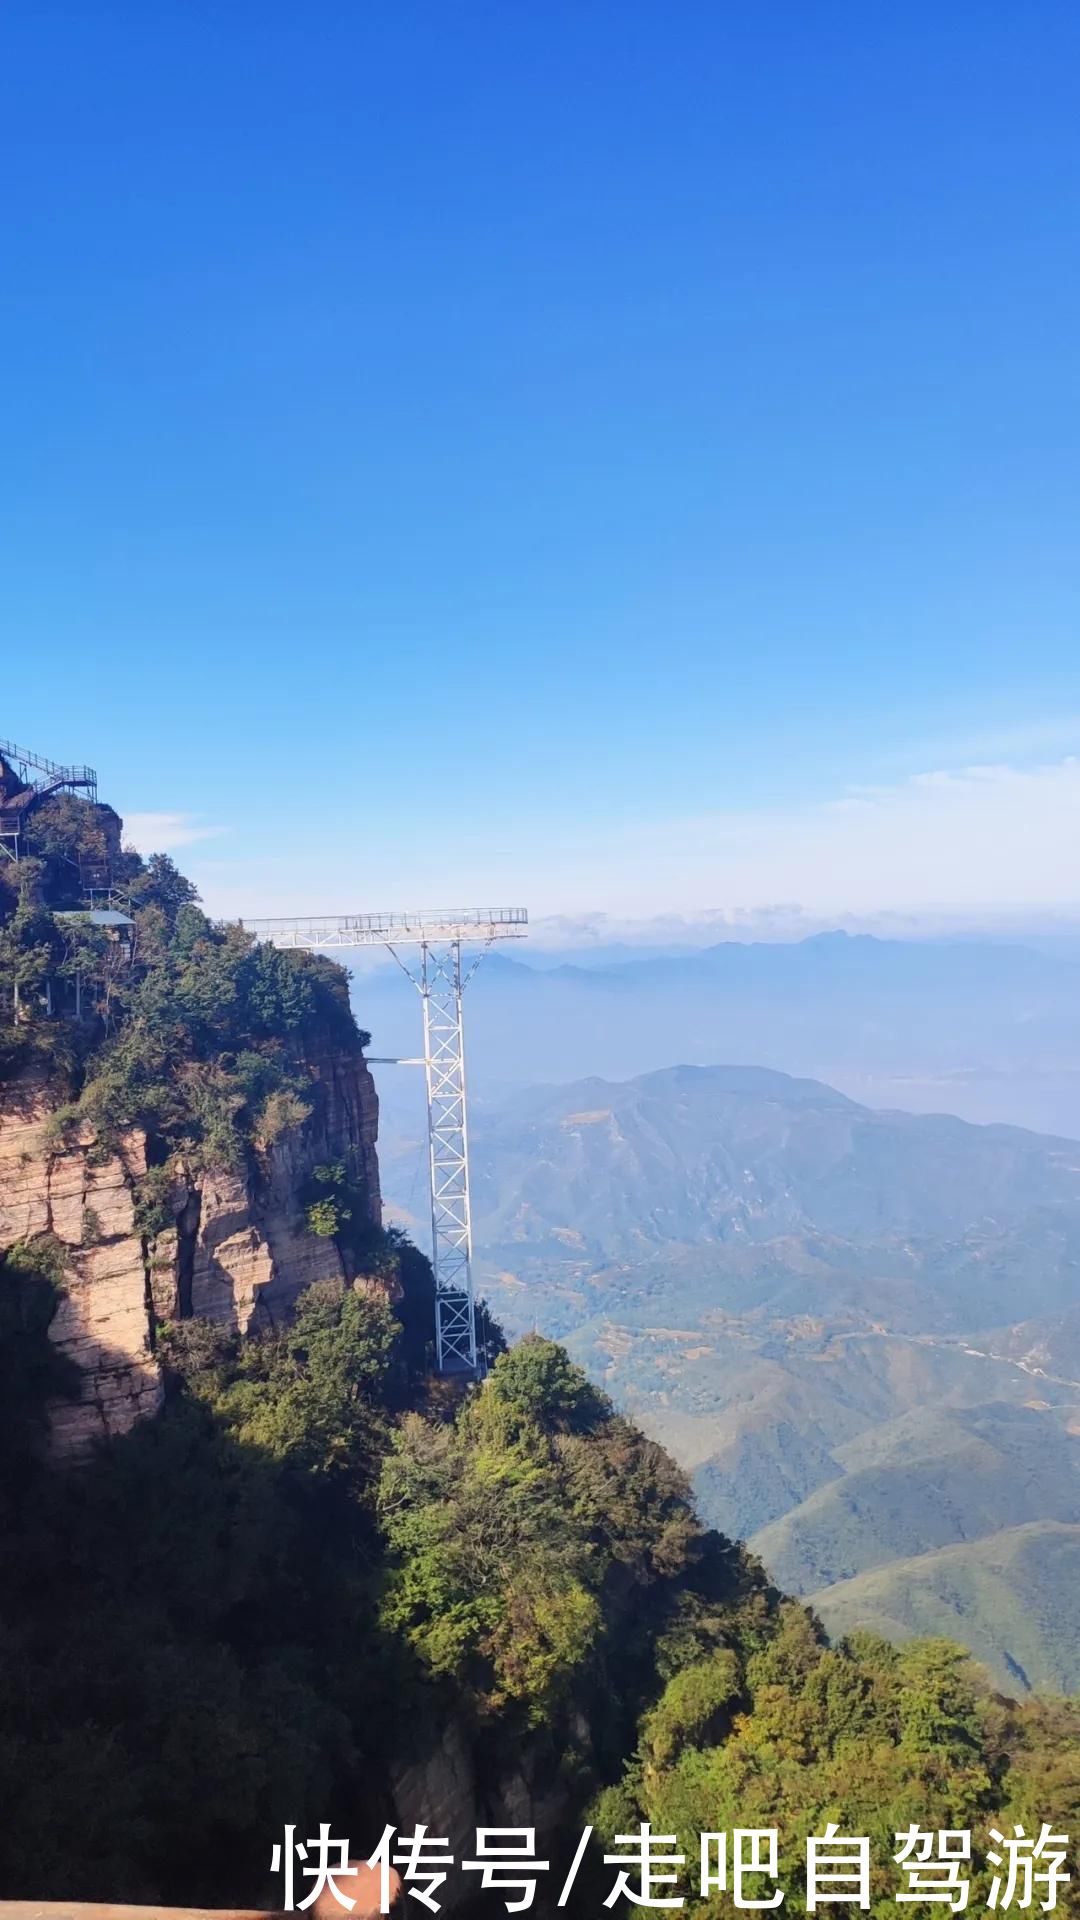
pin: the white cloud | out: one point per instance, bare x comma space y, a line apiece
951, 846
161, 832
1021, 742
951, 843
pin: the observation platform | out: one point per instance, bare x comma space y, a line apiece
446, 926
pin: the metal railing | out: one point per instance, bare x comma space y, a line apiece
390, 929
55, 775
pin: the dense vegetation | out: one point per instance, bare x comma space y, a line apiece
874, 1737
251, 1610
241, 1613
195, 1033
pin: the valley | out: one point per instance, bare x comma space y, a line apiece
854, 1328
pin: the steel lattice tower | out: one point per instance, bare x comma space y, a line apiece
441, 988
440, 981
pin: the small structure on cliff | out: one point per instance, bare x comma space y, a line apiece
74, 869
25, 780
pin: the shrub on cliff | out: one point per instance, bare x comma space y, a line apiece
211, 1043
313, 1394
197, 1034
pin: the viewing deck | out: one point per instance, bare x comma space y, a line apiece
431, 927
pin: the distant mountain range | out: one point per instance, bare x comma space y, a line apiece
859, 1330
987, 1031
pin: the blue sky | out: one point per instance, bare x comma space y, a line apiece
614, 456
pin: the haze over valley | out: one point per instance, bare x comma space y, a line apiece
987, 1031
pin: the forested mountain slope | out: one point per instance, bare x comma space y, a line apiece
853, 1327
1007, 1597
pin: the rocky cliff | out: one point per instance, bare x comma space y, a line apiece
239, 1249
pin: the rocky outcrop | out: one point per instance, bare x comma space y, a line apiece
84, 1201
239, 1251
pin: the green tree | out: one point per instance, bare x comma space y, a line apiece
160, 884
313, 1394
28, 948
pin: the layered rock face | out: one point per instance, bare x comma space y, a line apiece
85, 1201
239, 1253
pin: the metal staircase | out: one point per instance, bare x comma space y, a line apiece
38, 777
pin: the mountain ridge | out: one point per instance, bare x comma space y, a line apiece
1017, 1633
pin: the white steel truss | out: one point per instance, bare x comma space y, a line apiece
440, 982
441, 987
